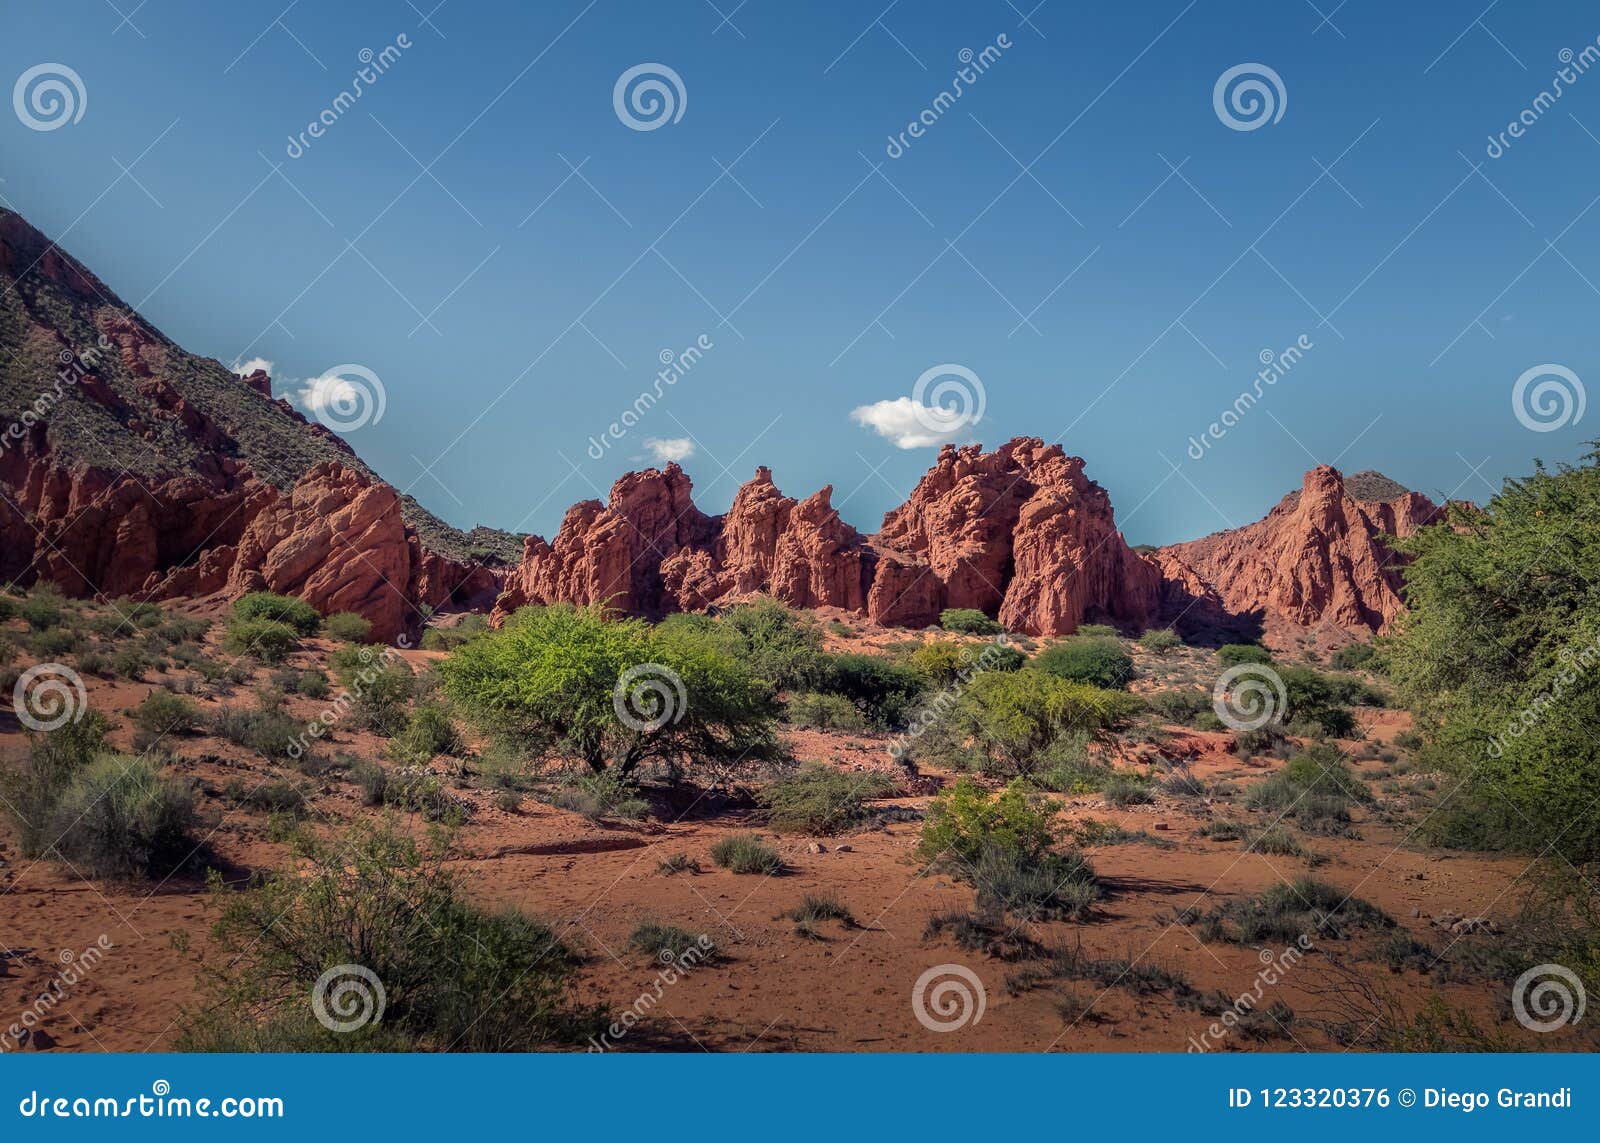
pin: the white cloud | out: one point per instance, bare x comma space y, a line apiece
910, 424
672, 448
328, 391
245, 368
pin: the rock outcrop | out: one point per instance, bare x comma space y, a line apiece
1019, 532
1318, 558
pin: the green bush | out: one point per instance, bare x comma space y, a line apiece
44, 607
669, 943
313, 684
455, 976
428, 733
884, 692
1233, 654
1181, 707
1318, 699
823, 712
944, 663
968, 621
1018, 722
53, 642
348, 627
777, 644
1082, 659
379, 699
163, 712
119, 818
1125, 790
963, 820
1315, 789
1160, 640
30, 791
821, 800
746, 853
1351, 657
266, 639
270, 733
1286, 912
297, 613
613, 691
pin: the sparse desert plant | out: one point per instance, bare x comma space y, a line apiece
1351, 657
746, 853
1181, 707
823, 712
31, 789
600, 795
270, 733
313, 684
1160, 640
669, 944
677, 863
428, 733
44, 607
1126, 790
119, 818
381, 697
162, 712
816, 907
818, 799
277, 797
266, 639
456, 976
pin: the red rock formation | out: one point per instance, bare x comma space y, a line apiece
1317, 558
1020, 531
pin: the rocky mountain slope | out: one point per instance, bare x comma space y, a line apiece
131, 467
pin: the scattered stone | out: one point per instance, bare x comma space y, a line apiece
843, 849
816, 847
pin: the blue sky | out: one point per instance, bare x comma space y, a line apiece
1036, 234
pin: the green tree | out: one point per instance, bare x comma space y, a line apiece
1097, 661
615, 692
1499, 656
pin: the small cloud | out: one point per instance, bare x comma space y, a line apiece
245, 368
672, 448
910, 424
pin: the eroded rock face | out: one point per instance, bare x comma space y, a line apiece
1317, 558
1020, 531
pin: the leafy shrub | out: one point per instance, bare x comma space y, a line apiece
1181, 707
556, 676
120, 818
54, 759
1286, 912
313, 684
267, 797
1125, 790
746, 853
380, 698
775, 643
455, 976
1351, 657
1317, 698
427, 734
1160, 640
821, 800
1234, 654
162, 712
963, 820
270, 733
348, 627
968, 621
54, 642
823, 712
1083, 659
883, 691
266, 639
296, 613
44, 607
943, 663
600, 795
467, 628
